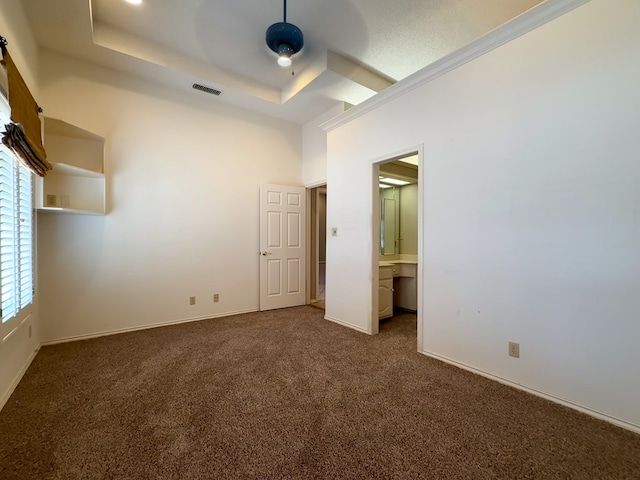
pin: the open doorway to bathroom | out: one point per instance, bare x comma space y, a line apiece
317, 246
396, 237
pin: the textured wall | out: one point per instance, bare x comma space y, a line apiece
16, 351
183, 177
531, 198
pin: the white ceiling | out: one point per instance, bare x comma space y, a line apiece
221, 44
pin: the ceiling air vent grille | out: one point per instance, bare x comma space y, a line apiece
205, 89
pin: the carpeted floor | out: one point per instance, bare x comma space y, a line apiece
286, 394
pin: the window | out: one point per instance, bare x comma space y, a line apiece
16, 231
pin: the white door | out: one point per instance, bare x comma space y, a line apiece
282, 246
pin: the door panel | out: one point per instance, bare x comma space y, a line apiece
274, 230
282, 246
294, 226
274, 278
293, 275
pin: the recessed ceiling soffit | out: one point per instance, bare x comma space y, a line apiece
359, 81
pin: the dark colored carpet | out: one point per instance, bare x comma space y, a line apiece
286, 394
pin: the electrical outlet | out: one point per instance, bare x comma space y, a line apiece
216, 297
192, 300
514, 349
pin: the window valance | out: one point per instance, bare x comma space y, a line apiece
23, 136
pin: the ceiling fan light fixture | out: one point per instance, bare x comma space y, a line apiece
285, 39
284, 55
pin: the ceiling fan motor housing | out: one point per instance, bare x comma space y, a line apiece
283, 34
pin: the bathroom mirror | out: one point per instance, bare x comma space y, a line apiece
388, 227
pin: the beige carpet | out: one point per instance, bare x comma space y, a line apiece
286, 394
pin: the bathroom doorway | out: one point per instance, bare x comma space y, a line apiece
397, 237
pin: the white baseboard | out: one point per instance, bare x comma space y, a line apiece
7, 394
346, 324
593, 413
75, 338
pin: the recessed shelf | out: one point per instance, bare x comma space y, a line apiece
76, 183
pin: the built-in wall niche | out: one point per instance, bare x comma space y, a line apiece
77, 183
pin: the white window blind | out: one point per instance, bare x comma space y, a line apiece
16, 235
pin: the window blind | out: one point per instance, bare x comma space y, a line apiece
16, 236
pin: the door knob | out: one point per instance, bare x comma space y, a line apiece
265, 253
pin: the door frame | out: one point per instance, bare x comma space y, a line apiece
375, 236
288, 299
313, 243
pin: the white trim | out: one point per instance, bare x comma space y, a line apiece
7, 394
527, 21
15, 329
315, 184
374, 230
346, 324
567, 403
105, 333
421, 253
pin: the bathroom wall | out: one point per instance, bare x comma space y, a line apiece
408, 213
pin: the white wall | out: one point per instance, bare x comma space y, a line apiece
314, 148
22, 45
531, 224
183, 173
17, 351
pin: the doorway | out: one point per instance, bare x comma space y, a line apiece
397, 239
282, 246
317, 228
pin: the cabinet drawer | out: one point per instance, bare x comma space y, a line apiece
406, 270
385, 272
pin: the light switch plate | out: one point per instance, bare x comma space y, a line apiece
334, 232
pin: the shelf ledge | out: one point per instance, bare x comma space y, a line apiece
66, 169
68, 210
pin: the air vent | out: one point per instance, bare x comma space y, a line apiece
210, 90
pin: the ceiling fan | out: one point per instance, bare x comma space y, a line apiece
285, 39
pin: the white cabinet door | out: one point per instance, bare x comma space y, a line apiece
282, 246
385, 298
385, 292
